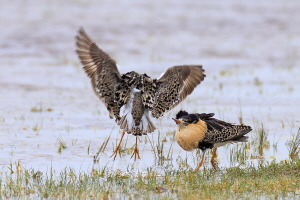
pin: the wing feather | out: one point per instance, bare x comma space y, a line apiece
174, 86
219, 131
102, 70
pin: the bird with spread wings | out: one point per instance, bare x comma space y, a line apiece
133, 98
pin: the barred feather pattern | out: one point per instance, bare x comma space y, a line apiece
131, 98
218, 131
166, 95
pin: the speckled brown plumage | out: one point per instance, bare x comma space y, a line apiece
131, 98
205, 132
219, 131
115, 90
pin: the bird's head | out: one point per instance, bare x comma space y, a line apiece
184, 119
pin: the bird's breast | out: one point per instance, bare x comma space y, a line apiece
137, 108
188, 137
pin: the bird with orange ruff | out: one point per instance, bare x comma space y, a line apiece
205, 132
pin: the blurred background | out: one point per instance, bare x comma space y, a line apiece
249, 50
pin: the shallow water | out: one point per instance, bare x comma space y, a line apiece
250, 51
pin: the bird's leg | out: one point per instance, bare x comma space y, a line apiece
136, 150
117, 150
212, 160
201, 162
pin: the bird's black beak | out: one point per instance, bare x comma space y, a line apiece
177, 121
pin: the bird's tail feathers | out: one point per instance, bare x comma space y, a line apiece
128, 124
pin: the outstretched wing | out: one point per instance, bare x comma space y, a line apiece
101, 69
174, 86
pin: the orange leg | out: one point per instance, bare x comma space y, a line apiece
200, 163
212, 160
136, 153
117, 150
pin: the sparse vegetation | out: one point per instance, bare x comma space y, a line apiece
61, 145
294, 145
101, 149
159, 150
260, 141
265, 180
271, 180
40, 108
239, 154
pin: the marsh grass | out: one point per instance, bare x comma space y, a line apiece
101, 149
36, 109
239, 154
40, 108
260, 141
270, 180
161, 153
240, 113
37, 127
294, 145
61, 145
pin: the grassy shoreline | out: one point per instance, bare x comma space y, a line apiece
271, 180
